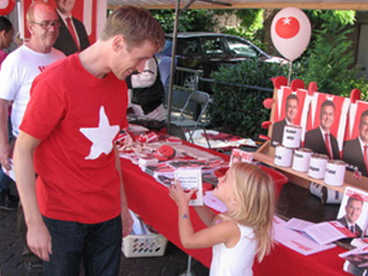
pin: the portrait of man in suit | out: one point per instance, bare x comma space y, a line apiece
72, 33
320, 139
291, 109
355, 152
353, 209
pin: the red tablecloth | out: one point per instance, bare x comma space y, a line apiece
150, 200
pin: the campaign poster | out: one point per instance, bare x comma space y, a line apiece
291, 109
91, 12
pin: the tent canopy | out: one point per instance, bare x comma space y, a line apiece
246, 4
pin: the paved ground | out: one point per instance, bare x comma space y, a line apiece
173, 263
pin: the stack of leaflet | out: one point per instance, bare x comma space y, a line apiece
163, 172
309, 238
356, 260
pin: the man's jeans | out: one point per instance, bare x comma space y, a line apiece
98, 246
5, 181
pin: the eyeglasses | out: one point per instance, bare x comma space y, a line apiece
47, 24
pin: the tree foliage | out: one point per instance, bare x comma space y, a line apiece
251, 22
329, 59
238, 109
189, 20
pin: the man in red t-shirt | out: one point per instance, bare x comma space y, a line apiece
78, 105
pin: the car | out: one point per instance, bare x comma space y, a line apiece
208, 51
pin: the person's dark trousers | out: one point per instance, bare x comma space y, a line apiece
5, 181
98, 246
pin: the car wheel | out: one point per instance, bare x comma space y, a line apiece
191, 82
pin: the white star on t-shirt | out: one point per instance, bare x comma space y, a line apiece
101, 136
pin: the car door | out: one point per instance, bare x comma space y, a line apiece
215, 54
188, 52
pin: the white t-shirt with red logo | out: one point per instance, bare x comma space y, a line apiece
18, 71
77, 116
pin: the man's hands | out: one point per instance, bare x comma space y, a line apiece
39, 241
5, 155
127, 222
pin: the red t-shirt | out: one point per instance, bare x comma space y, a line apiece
77, 116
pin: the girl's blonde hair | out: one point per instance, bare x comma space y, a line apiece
255, 203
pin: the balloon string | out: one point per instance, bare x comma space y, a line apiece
290, 69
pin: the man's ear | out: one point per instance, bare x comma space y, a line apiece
29, 27
118, 43
2, 35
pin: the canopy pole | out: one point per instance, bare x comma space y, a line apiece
172, 67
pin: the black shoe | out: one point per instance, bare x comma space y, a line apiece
8, 202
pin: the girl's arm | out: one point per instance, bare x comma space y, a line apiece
207, 215
226, 232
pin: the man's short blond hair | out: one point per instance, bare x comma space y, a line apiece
136, 25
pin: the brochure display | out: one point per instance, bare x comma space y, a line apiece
353, 212
286, 234
191, 179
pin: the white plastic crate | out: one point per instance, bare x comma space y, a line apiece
135, 246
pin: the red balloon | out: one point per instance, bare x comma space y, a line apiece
355, 95
267, 103
296, 84
7, 6
279, 81
287, 27
266, 124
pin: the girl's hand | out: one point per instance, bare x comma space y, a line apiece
179, 195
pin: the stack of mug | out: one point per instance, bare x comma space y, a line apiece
318, 166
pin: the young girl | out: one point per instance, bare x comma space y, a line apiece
243, 231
